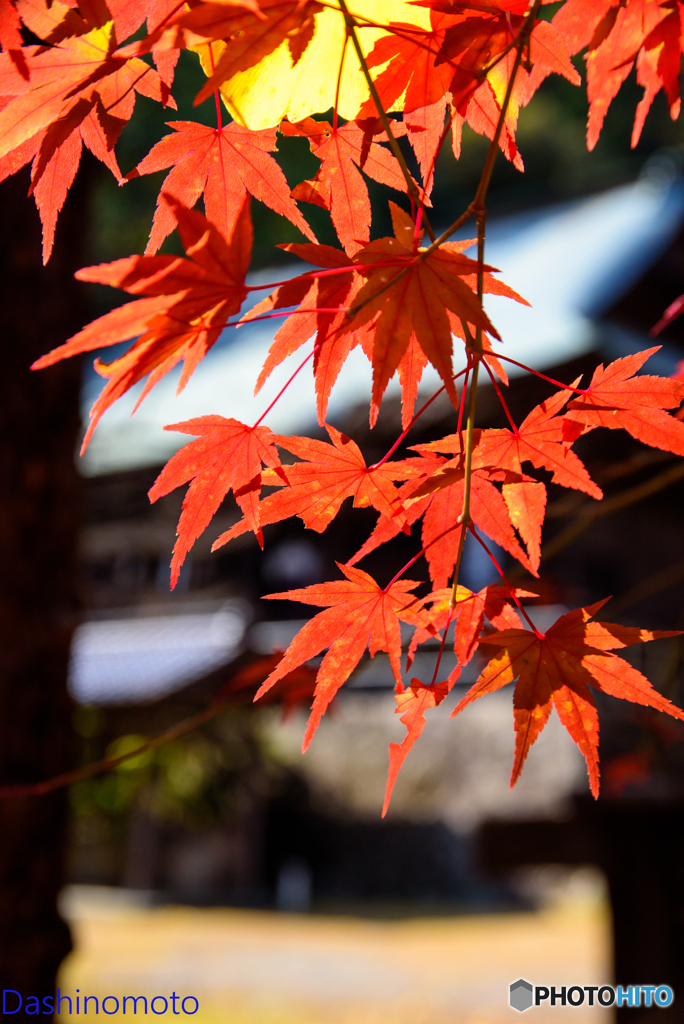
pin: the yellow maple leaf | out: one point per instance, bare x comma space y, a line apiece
273, 89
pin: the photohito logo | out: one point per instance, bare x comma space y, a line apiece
522, 995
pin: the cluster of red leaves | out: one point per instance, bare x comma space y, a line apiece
405, 303
617, 34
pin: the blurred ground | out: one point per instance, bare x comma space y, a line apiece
260, 967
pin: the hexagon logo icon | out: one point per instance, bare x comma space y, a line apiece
520, 995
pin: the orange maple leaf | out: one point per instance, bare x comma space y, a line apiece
324, 300
223, 166
526, 504
617, 399
441, 505
556, 669
467, 617
74, 92
411, 705
338, 185
410, 292
315, 488
359, 615
187, 306
543, 438
227, 455
618, 33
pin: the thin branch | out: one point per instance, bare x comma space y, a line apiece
108, 763
654, 584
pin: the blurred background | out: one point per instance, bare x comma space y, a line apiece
224, 865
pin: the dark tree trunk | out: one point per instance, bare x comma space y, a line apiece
39, 520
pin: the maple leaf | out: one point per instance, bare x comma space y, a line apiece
316, 487
359, 615
227, 455
321, 308
246, 33
412, 703
417, 77
186, 306
463, 57
327, 75
475, 44
556, 669
526, 504
412, 64
543, 438
338, 185
618, 33
10, 30
618, 400
488, 510
467, 617
75, 92
440, 500
223, 165
410, 291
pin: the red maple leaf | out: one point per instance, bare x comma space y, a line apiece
464, 43
316, 487
74, 92
10, 27
412, 63
321, 309
223, 165
543, 438
412, 703
617, 399
323, 302
187, 306
441, 497
440, 500
467, 617
338, 185
359, 615
556, 669
227, 455
410, 292
618, 33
